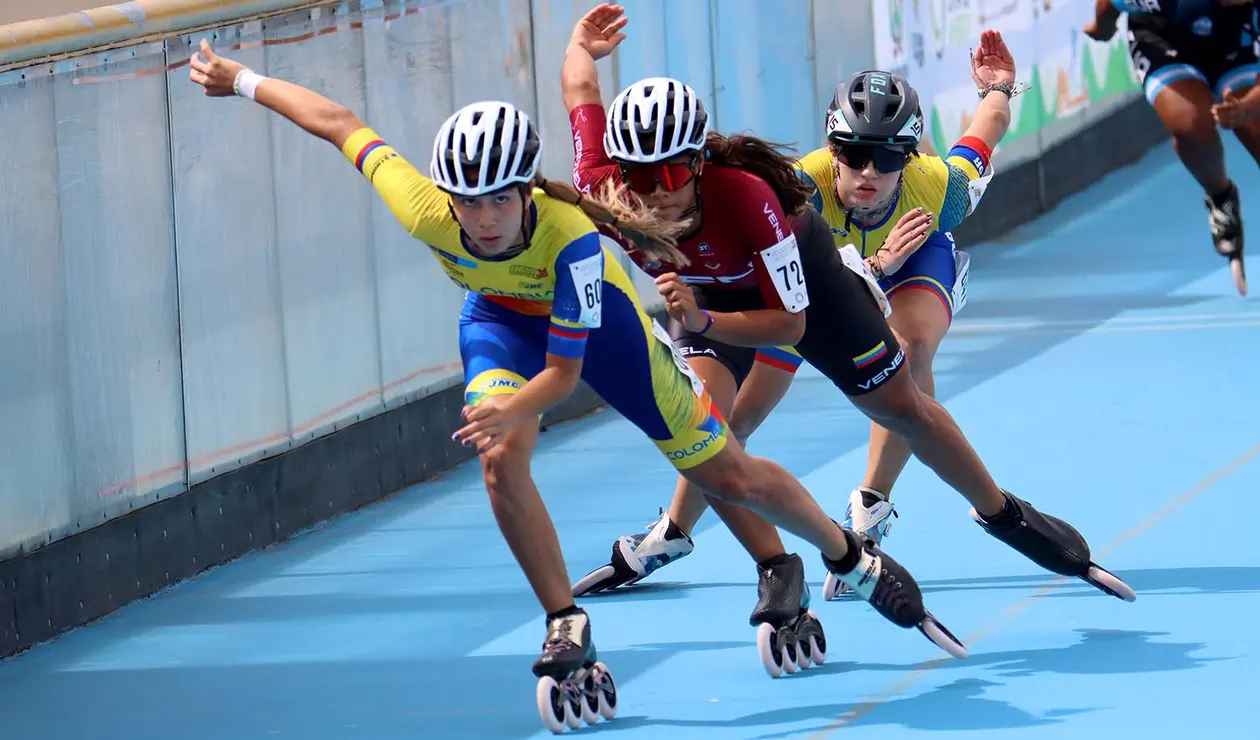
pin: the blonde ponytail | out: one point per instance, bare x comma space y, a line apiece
615, 206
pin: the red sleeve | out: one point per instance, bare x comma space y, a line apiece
764, 226
591, 165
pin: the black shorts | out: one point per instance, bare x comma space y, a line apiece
1219, 58
846, 336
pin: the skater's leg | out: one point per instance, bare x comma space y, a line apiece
636, 556
523, 518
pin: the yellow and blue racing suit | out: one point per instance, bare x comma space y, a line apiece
563, 295
949, 187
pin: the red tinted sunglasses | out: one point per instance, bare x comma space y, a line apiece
643, 178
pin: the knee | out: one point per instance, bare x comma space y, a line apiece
1194, 126
502, 466
737, 482
919, 345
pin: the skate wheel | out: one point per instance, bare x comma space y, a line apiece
804, 658
816, 644
790, 650
769, 649
599, 695
607, 693
1239, 274
590, 708
943, 638
818, 649
590, 696
1106, 581
592, 581
573, 710
552, 704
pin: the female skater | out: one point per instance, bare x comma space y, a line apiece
656, 138
1197, 63
495, 225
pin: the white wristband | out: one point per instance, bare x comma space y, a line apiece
246, 83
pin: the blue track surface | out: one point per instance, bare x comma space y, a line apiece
1103, 368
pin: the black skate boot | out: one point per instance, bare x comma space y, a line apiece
1225, 222
789, 635
887, 586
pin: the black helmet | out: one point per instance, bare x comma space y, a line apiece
875, 107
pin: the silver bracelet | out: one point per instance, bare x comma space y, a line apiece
1006, 88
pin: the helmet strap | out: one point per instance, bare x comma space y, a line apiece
868, 214
864, 213
697, 204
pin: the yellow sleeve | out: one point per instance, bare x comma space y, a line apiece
962, 162
414, 199
943, 186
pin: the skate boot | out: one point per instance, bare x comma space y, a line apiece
789, 635
888, 587
1052, 544
868, 515
573, 686
637, 556
1225, 222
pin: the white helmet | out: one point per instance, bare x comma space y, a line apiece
655, 119
495, 140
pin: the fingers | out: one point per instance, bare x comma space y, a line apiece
603, 15
913, 217
1000, 49
992, 42
611, 29
201, 70
198, 71
483, 441
477, 431
199, 66
670, 283
915, 235
911, 228
676, 293
1228, 116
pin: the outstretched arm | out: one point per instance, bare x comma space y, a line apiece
967, 172
413, 198
311, 111
993, 69
594, 37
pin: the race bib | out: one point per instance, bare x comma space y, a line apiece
783, 263
852, 259
962, 264
976, 188
588, 279
697, 385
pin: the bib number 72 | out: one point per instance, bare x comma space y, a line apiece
783, 264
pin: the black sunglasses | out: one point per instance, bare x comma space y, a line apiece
886, 159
